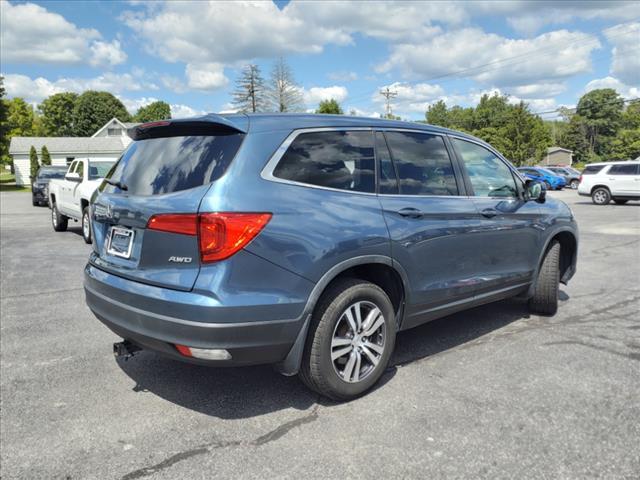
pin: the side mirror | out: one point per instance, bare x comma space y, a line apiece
535, 191
73, 177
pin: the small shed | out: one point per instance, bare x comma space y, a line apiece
558, 156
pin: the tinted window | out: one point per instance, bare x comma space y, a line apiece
388, 180
490, 176
51, 173
422, 164
170, 164
99, 169
592, 169
337, 159
629, 169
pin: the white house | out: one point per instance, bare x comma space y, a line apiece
108, 142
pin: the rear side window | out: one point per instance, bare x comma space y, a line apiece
592, 169
629, 169
388, 180
335, 159
170, 164
422, 164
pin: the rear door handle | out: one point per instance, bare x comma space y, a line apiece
410, 212
489, 212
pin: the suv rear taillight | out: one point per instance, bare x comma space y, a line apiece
220, 235
580, 179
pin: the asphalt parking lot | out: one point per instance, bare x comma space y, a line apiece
493, 392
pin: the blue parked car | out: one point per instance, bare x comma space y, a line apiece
309, 241
550, 180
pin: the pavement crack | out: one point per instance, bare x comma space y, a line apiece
271, 436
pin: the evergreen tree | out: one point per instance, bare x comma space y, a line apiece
44, 156
437, 114
33, 162
4, 125
250, 94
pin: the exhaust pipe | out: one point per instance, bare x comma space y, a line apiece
125, 349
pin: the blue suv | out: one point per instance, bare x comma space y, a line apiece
550, 180
309, 241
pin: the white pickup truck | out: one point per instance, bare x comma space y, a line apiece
69, 197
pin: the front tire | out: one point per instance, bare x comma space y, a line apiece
86, 225
545, 294
601, 196
58, 221
350, 340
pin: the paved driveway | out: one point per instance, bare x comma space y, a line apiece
492, 392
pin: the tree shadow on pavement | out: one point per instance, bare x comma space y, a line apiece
233, 393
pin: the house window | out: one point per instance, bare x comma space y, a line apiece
114, 132
70, 159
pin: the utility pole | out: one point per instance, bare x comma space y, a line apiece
388, 95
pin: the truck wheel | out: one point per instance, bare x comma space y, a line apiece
58, 220
86, 225
574, 184
350, 340
601, 196
545, 293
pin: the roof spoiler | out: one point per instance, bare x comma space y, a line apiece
211, 124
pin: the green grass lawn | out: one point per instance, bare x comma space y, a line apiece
7, 177
13, 188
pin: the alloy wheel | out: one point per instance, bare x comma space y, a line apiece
358, 341
600, 197
86, 226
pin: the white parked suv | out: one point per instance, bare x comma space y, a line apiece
69, 197
617, 181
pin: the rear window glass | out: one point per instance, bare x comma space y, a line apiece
592, 169
99, 169
170, 164
53, 173
336, 159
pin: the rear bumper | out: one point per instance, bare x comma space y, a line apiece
150, 317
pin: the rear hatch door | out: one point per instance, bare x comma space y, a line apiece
167, 170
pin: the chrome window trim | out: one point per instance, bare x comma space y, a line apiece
268, 169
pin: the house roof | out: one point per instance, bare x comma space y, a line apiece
77, 145
558, 149
124, 125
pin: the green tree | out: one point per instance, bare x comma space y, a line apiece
601, 110
461, 118
330, 106
44, 156
437, 114
626, 145
57, 114
575, 138
93, 109
4, 125
250, 94
631, 115
20, 118
491, 111
33, 162
154, 111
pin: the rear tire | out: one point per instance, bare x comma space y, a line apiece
34, 202
601, 196
545, 294
365, 351
86, 225
574, 184
58, 221
620, 202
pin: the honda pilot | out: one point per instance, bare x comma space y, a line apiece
310, 241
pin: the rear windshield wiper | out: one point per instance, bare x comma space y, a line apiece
121, 186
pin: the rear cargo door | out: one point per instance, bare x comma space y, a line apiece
167, 170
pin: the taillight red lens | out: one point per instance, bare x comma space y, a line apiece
223, 234
580, 180
184, 223
220, 234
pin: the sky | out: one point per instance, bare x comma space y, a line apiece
189, 54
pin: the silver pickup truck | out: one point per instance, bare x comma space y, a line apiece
69, 197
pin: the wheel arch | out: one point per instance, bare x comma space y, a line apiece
378, 269
568, 240
599, 185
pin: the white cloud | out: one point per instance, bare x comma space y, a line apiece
343, 76
627, 91
107, 54
410, 98
535, 90
206, 76
30, 33
558, 55
185, 111
626, 52
177, 110
36, 90
314, 95
362, 113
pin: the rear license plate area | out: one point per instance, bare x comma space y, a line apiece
120, 242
